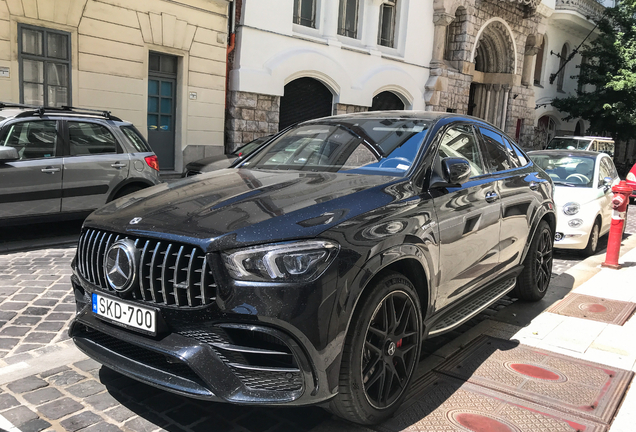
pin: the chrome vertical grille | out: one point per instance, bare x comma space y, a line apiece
171, 274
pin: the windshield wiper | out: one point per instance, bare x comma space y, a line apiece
560, 183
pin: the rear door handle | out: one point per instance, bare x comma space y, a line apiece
118, 165
50, 170
492, 196
534, 185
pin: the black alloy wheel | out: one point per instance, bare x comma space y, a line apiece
533, 282
389, 347
381, 351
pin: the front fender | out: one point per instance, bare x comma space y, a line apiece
350, 295
545, 211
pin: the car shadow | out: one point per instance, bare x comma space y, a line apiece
175, 413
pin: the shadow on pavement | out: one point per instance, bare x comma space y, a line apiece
174, 413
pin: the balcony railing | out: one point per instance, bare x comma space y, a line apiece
587, 8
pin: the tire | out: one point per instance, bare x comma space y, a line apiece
126, 190
592, 243
379, 342
533, 282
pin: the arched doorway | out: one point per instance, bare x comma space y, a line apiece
546, 129
304, 99
494, 54
579, 130
385, 101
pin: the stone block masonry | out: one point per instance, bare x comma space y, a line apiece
250, 116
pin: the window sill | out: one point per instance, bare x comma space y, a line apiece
538, 85
306, 31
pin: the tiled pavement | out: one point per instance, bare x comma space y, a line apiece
35, 302
89, 397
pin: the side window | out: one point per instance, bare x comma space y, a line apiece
594, 146
90, 138
33, 139
604, 171
496, 155
460, 142
523, 159
513, 154
136, 139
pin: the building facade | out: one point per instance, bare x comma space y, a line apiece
300, 59
159, 64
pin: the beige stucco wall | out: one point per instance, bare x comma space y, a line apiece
110, 42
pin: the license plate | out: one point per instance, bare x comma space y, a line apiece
128, 314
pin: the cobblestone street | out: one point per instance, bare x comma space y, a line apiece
47, 384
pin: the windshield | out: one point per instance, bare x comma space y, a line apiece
366, 146
569, 144
566, 170
250, 146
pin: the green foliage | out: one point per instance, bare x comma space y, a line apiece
608, 78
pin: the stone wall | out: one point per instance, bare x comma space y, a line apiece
348, 109
250, 116
449, 84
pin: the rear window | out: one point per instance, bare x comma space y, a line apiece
135, 138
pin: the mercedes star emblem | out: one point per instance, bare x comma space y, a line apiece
135, 221
120, 264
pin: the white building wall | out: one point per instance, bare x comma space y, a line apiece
274, 51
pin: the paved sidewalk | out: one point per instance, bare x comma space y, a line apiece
532, 325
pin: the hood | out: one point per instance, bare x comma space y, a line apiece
223, 161
566, 194
239, 207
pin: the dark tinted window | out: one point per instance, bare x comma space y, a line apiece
136, 139
90, 138
496, 155
32, 139
372, 146
460, 142
512, 154
523, 159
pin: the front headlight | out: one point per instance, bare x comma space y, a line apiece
290, 262
571, 208
631, 177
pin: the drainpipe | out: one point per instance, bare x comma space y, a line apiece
231, 45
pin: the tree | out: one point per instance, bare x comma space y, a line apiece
607, 80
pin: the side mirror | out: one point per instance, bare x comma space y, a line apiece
8, 154
607, 181
456, 170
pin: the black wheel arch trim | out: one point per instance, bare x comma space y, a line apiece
129, 181
544, 212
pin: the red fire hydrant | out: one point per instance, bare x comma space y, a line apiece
622, 191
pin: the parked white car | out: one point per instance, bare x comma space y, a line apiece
583, 183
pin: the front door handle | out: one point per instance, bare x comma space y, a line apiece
118, 165
50, 169
492, 196
534, 185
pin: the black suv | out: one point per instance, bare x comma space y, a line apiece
313, 271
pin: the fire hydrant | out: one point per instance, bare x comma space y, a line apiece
622, 191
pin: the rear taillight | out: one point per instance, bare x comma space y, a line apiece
152, 162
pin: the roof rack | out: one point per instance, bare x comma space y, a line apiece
42, 110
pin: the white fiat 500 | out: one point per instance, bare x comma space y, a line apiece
583, 183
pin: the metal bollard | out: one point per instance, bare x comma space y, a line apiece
622, 191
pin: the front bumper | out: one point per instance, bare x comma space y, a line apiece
246, 363
567, 237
